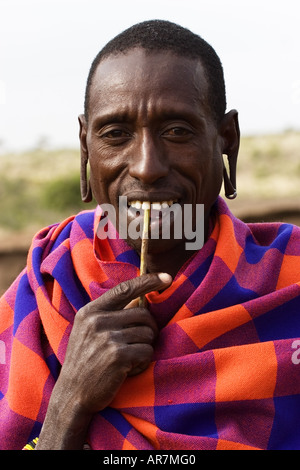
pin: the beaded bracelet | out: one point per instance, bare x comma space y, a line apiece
31, 445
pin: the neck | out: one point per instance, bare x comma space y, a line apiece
168, 262
171, 259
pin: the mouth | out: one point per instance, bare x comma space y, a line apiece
159, 209
153, 206
163, 214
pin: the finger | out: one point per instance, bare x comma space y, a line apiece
134, 335
125, 318
141, 357
119, 296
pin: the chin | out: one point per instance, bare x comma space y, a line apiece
158, 246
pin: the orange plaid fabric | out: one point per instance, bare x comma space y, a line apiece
226, 367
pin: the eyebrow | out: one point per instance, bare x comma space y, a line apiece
109, 118
165, 115
172, 114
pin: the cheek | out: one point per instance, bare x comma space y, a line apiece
215, 178
104, 177
108, 166
209, 179
99, 183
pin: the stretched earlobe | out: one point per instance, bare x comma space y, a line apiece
230, 189
85, 187
230, 132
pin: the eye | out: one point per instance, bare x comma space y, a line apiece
177, 133
115, 134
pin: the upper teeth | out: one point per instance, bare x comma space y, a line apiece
153, 205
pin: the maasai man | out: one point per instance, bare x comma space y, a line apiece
212, 360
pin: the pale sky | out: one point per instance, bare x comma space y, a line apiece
47, 46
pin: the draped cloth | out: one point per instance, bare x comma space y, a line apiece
226, 367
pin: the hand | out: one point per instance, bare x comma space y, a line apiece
109, 341
111, 338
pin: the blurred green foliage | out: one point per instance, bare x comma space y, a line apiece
39, 188
15, 194
62, 194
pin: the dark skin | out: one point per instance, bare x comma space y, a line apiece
150, 136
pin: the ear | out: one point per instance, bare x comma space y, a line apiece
230, 133
85, 188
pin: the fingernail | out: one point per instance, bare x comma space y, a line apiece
165, 278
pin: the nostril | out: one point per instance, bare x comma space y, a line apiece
148, 171
149, 162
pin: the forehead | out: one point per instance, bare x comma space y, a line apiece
139, 76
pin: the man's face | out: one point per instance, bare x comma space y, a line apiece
151, 136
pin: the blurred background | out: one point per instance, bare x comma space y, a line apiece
46, 48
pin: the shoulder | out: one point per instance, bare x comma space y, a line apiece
281, 235
79, 225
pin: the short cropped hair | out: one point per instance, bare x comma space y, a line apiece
159, 36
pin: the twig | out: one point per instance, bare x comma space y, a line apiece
144, 249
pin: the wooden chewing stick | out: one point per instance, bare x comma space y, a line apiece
144, 248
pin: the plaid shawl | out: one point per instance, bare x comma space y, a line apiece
226, 368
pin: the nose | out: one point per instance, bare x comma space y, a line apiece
149, 163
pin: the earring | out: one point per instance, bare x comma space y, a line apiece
85, 188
